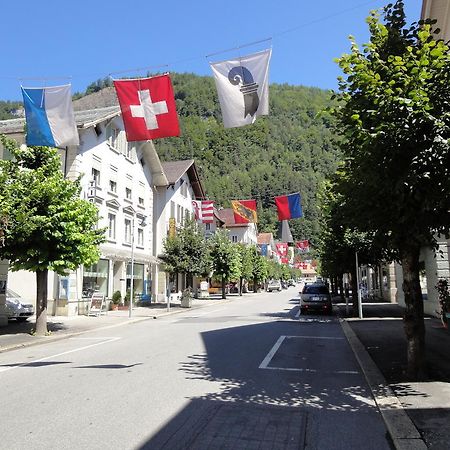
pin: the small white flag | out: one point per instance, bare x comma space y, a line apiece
243, 88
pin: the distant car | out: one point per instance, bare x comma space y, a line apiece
315, 297
274, 285
291, 282
16, 307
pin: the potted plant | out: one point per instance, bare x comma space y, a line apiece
116, 298
444, 301
186, 298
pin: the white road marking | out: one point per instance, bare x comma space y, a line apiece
272, 352
266, 361
298, 314
112, 339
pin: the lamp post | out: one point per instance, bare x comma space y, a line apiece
142, 224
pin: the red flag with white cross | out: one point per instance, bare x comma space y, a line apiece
148, 108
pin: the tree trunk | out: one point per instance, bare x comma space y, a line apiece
332, 279
224, 294
241, 280
255, 285
413, 318
41, 302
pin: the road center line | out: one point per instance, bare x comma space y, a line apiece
5, 369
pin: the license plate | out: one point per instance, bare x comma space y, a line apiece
315, 299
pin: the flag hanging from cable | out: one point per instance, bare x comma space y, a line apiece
243, 88
148, 108
302, 246
244, 211
49, 116
282, 248
203, 210
289, 206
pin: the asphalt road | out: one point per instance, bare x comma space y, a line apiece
248, 374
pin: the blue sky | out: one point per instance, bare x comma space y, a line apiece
91, 39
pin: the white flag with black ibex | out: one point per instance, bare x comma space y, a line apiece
243, 88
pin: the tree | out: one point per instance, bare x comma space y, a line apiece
260, 270
49, 226
225, 256
393, 115
187, 252
246, 255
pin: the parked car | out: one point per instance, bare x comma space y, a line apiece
16, 307
315, 297
273, 285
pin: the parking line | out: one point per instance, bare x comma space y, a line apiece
266, 361
5, 369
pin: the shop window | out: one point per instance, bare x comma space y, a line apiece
138, 279
95, 278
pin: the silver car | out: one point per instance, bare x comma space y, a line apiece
16, 307
316, 297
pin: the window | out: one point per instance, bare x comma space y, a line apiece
128, 193
112, 134
140, 237
141, 201
96, 176
128, 231
128, 151
111, 226
178, 213
234, 238
112, 186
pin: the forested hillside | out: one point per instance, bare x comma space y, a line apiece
290, 150
8, 109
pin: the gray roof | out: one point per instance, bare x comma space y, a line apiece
101, 99
174, 170
83, 119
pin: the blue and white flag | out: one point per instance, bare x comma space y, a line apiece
243, 88
49, 114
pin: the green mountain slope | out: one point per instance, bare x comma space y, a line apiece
290, 150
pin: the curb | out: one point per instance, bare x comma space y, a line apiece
401, 428
127, 321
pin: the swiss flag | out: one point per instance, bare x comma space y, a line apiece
148, 108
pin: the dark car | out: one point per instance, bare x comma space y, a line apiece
315, 297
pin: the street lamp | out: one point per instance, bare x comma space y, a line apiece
142, 223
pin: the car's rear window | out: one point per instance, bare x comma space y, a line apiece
315, 290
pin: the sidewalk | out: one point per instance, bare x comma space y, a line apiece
380, 334
16, 335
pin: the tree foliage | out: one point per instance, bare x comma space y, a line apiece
49, 226
290, 150
187, 252
393, 116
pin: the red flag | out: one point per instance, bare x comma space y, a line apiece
282, 248
148, 108
204, 210
303, 246
244, 211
